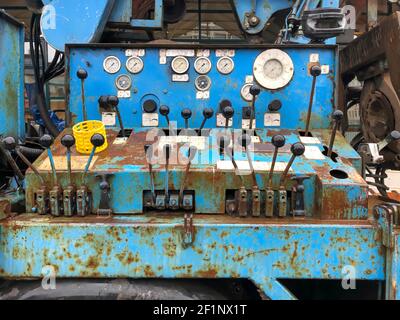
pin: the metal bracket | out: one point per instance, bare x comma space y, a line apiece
56, 201
83, 202
42, 201
188, 230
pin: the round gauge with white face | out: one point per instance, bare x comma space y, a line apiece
180, 65
123, 82
134, 65
273, 69
225, 65
203, 83
245, 92
112, 64
202, 65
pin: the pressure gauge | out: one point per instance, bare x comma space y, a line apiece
245, 92
180, 65
112, 64
273, 69
202, 65
123, 82
134, 65
203, 83
225, 65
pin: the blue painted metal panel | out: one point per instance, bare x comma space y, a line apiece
11, 77
74, 21
180, 95
151, 247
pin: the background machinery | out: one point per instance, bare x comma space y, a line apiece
194, 160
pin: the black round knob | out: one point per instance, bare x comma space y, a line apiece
46, 141
275, 105
192, 152
186, 113
244, 140
10, 143
208, 113
278, 141
255, 90
113, 101
68, 141
97, 140
395, 135
149, 106
338, 115
298, 149
82, 74
228, 112
315, 71
164, 110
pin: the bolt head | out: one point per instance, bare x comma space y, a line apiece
395, 135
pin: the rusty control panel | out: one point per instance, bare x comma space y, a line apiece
240, 131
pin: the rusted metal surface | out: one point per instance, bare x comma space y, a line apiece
224, 247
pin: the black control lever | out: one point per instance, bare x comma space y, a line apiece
186, 114
297, 150
298, 208
207, 114
245, 141
223, 141
68, 141
41, 194
113, 101
82, 74
167, 151
228, 113
315, 72
191, 154
10, 145
254, 91
148, 149
56, 192
164, 111
97, 140
278, 141
337, 118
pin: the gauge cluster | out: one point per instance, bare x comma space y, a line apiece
197, 77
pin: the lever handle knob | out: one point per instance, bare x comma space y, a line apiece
97, 140
10, 143
208, 113
113, 101
228, 112
395, 135
68, 141
315, 71
164, 110
278, 141
255, 90
337, 115
46, 141
186, 114
298, 149
82, 74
